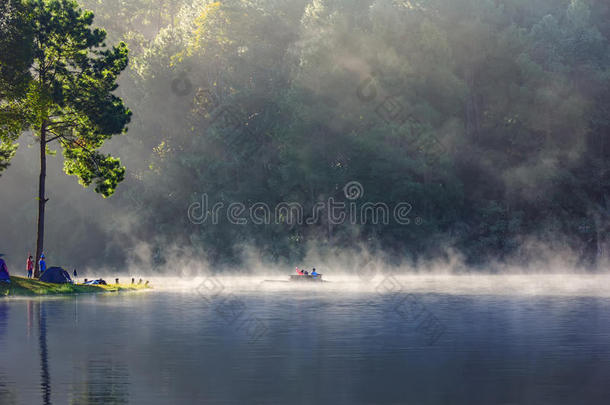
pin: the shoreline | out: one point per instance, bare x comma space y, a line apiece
27, 287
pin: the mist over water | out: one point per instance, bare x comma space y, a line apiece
517, 285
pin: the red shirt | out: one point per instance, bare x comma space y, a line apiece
30, 264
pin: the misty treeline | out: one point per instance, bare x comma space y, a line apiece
490, 118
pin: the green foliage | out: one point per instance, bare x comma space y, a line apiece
15, 59
105, 170
7, 151
70, 98
15, 48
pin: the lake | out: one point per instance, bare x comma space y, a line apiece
385, 340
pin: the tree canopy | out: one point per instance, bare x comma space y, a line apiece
16, 55
62, 81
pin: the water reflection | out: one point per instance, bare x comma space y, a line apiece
30, 318
107, 383
3, 319
45, 379
7, 396
107, 378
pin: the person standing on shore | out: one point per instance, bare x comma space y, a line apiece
30, 266
42, 264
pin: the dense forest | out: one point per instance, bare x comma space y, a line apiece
488, 119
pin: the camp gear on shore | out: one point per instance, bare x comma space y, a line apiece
56, 275
99, 281
4, 276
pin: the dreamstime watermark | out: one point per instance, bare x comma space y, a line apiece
293, 213
231, 309
182, 85
391, 110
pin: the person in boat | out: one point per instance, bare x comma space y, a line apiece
299, 272
29, 265
314, 273
305, 273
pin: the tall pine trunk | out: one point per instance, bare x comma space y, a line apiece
41, 196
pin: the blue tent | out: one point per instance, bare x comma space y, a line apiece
4, 276
55, 275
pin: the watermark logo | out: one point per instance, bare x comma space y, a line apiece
353, 190
181, 85
367, 272
367, 90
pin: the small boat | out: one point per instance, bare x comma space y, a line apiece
300, 278
306, 278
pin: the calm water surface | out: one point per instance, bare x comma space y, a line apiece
305, 346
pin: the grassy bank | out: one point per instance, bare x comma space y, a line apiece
20, 286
